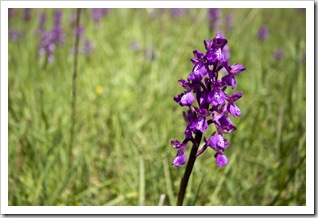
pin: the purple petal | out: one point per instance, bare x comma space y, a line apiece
180, 159
225, 125
216, 97
199, 124
177, 98
202, 98
198, 71
237, 69
198, 54
184, 84
226, 52
221, 159
188, 133
216, 142
208, 44
187, 99
214, 55
189, 116
234, 110
219, 42
234, 97
229, 80
178, 145
203, 112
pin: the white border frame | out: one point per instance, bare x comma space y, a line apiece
308, 209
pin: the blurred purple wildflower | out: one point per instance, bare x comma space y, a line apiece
11, 12
58, 17
14, 35
214, 106
263, 33
279, 54
27, 14
42, 19
72, 20
87, 48
47, 46
57, 34
98, 13
214, 17
175, 12
50, 39
80, 31
155, 12
229, 21
134, 46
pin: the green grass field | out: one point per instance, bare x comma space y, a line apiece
126, 116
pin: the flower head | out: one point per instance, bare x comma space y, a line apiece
214, 16
50, 39
278, 54
27, 14
98, 13
14, 35
42, 19
263, 33
214, 104
229, 21
99, 90
57, 33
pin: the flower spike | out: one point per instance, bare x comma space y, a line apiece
214, 105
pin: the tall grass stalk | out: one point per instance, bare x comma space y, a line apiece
74, 88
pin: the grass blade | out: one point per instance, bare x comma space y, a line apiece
141, 182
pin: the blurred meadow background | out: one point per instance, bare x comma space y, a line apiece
129, 63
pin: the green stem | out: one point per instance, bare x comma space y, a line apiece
188, 170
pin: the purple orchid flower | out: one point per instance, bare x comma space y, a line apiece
214, 104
